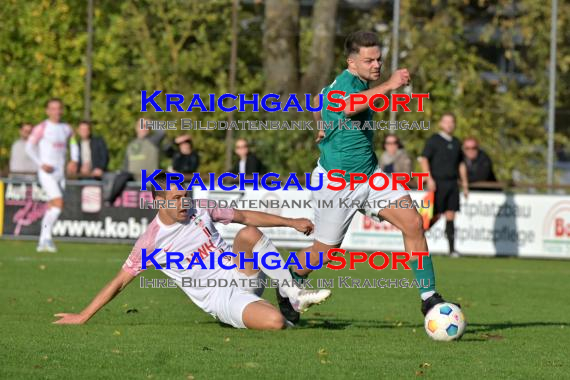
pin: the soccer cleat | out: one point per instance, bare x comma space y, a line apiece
41, 247
455, 255
289, 324
290, 314
435, 299
49, 246
307, 298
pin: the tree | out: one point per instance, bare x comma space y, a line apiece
282, 51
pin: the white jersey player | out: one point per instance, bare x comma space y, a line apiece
47, 147
192, 230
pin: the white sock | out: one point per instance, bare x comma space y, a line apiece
49, 219
427, 295
265, 245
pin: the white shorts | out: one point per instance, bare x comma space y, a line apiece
332, 222
52, 183
232, 301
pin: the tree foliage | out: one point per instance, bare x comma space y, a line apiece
184, 47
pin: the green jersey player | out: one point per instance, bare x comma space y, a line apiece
352, 150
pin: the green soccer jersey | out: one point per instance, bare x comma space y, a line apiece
343, 147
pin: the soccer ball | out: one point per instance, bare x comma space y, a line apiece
445, 321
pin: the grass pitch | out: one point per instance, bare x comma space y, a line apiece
517, 310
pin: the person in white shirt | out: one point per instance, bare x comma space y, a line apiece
47, 147
191, 232
21, 165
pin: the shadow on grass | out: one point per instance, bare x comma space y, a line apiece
491, 331
342, 324
473, 329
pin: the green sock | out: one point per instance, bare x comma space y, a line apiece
297, 277
426, 276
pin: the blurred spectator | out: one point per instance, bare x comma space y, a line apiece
184, 159
248, 163
93, 154
20, 162
479, 165
394, 159
142, 153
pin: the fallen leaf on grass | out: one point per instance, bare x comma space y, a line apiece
190, 377
50, 300
116, 332
419, 373
323, 354
425, 365
226, 339
115, 351
42, 267
251, 365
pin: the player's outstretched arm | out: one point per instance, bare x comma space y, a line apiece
463, 177
114, 287
262, 219
398, 79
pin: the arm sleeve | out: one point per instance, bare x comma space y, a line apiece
169, 149
428, 150
222, 215
104, 155
13, 156
126, 160
492, 177
404, 164
147, 240
99, 154
156, 137
32, 143
73, 146
194, 161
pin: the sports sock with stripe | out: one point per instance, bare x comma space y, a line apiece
425, 276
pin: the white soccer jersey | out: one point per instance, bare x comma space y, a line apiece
51, 140
198, 234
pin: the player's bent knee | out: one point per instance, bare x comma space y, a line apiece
263, 316
275, 321
249, 235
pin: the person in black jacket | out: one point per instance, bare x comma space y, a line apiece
185, 159
479, 165
93, 154
248, 163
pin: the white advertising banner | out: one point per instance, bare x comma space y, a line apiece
490, 223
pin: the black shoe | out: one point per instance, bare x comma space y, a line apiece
435, 299
287, 309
